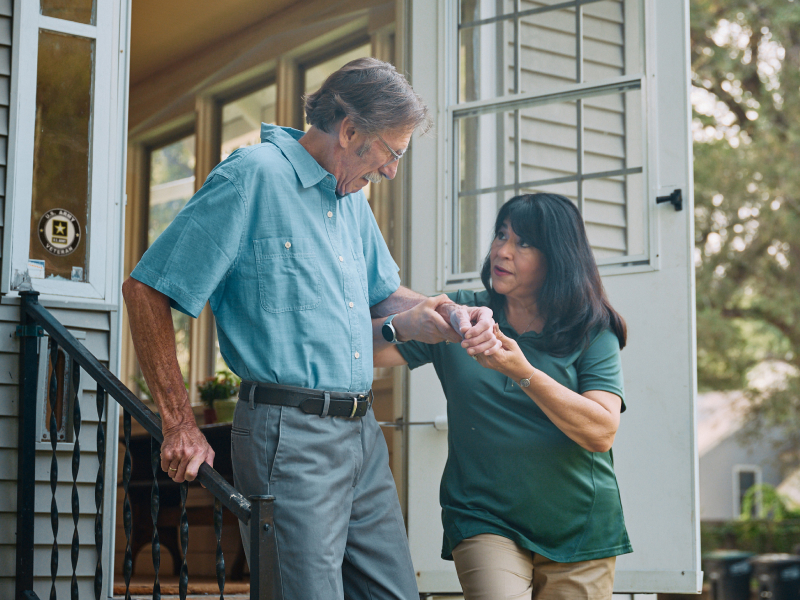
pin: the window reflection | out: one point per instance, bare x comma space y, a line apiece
242, 118
61, 157
80, 11
171, 186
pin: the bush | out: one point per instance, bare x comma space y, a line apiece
754, 535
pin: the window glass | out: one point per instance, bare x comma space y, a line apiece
171, 186
80, 11
746, 480
588, 149
544, 45
62, 157
242, 119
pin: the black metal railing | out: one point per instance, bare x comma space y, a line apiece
257, 512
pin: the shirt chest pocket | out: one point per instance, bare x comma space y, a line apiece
361, 266
289, 277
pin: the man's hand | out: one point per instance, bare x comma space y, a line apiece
424, 323
184, 449
438, 319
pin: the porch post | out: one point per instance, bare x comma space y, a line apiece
265, 578
28, 334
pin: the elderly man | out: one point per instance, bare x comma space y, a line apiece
282, 242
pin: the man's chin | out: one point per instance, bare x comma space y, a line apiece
352, 188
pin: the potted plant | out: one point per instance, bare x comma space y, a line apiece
218, 394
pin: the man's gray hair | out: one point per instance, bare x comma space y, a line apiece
373, 94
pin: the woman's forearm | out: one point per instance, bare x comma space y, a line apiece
590, 420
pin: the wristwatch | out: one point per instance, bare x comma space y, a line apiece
389, 332
526, 381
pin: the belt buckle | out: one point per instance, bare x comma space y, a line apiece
355, 407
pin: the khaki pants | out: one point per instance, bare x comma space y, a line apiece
491, 567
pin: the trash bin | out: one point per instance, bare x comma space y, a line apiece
778, 576
728, 572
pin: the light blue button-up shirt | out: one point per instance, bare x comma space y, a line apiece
290, 269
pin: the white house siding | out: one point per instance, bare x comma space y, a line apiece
5, 90
99, 328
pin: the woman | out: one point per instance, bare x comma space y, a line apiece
530, 503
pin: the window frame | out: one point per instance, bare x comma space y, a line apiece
450, 110
738, 493
107, 152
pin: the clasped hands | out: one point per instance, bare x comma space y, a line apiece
439, 319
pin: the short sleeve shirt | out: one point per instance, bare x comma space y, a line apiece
290, 268
510, 471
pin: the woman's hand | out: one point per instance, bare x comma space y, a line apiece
508, 359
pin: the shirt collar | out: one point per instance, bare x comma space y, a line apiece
286, 139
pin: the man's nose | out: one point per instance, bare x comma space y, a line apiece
389, 171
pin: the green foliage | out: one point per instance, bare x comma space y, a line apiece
759, 536
762, 501
746, 73
221, 386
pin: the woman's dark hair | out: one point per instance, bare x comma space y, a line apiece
572, 299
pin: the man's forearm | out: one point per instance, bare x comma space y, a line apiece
154, 340
401, 300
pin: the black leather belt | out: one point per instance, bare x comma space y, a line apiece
312, 402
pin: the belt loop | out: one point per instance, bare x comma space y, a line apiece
252, 396
325, 406
371, 399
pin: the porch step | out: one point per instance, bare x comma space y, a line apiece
202, 588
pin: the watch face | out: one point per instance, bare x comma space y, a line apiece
388, 333
524, 382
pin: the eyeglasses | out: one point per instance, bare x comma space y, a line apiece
393, 153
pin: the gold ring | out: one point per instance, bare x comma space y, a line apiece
171, 469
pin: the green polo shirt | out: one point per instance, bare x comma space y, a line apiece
510, 471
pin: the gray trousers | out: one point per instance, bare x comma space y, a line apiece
338, 523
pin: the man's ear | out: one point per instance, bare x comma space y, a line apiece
347, 132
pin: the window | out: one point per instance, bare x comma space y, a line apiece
744, 478
547, 98
67, 149
171, 186
242, 119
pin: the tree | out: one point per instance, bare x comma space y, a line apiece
746, 76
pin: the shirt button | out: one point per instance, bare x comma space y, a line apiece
288, 245
351, 305
341, 258
356, 355
330, 214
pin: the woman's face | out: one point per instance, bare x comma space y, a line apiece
518, 270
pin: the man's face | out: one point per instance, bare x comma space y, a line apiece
365, 159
